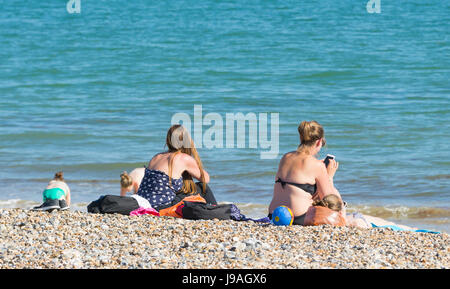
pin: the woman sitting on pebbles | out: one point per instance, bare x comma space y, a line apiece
302, 181
169, 175
301, 177
56, 195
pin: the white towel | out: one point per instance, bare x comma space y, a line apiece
142, 202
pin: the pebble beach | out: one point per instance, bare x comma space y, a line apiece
75, 239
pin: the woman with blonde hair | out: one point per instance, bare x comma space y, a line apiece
171, 173
301, 177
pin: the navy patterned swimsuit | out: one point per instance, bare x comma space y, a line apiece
156, 189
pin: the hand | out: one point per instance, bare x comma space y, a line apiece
333, 166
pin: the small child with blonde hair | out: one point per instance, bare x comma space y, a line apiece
131, 182
331, 202
356, 219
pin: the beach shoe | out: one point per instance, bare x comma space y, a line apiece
63, 205
48, 205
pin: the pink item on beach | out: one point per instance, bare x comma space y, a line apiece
144, 211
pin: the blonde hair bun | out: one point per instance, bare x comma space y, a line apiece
125, 180
310, 132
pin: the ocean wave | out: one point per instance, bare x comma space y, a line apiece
28, 204
401, 212
120, 166
31, 135
437, 177
17, 203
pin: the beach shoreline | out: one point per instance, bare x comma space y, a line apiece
74, 239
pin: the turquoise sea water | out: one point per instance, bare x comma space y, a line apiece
93, 94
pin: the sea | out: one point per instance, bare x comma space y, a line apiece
92, 92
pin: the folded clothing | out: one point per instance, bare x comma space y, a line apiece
142, 202
174, 211
144, 211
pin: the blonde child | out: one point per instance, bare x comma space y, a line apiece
357, 219
131, 182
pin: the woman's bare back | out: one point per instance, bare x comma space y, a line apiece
160, 162
296, 168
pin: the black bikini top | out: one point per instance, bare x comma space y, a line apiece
306, 187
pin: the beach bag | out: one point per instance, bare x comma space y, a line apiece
111, 204
202, 211
318, 215
172, 210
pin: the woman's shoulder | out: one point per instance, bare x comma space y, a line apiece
289, 155
177, 157
307, 161
314, 163
58, 184
160, 155
295, 155
184, 157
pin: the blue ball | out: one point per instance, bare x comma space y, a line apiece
282, 216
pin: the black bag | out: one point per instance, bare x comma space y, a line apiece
201, 211
111, 204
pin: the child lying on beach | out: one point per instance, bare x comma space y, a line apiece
357, 219
56, 195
